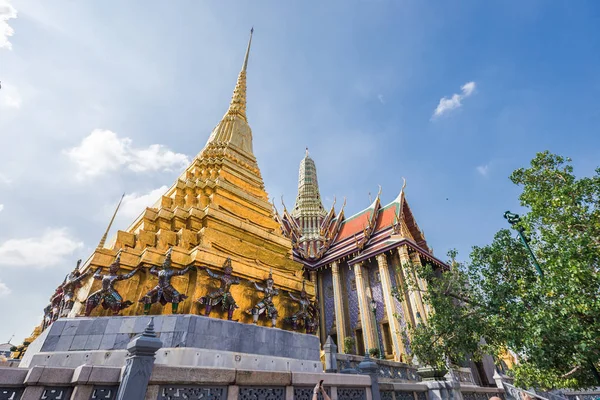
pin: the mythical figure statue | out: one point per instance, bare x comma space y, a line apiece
107, 295
72, 282
266, 305
302, 316
47, 317
164, 292
312, 323
222, 294
52, 310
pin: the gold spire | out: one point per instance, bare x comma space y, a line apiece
233, 129
238, 100
103, 240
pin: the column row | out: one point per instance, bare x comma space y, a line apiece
413, 307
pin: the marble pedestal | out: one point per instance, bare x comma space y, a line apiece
188, 340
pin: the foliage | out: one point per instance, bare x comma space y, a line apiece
349, 343
374, 352
452, 335
552, 323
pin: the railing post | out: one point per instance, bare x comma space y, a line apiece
367, 366
330, 350
139, 365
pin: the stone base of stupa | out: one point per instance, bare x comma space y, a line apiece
188, 340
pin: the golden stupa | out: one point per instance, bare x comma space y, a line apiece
217, 209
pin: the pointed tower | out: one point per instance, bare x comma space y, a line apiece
308, 210
217, 209
232, 136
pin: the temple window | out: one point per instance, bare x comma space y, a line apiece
387, 339
360, 342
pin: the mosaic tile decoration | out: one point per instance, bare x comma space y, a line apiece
329, 304
400, 311
352, 300
377, 294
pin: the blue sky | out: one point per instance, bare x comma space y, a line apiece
89, 87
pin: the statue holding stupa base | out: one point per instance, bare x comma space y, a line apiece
108, 295
164, 292
265, 306
312, 323
222, 295
72, 282
307, 315
52, 310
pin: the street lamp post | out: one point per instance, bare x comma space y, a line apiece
374, 309
514, 219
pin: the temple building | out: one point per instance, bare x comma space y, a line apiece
356, 262
213, 243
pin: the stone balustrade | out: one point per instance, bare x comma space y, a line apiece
88, 382
462, 375
481, 393
388, 370
581, 395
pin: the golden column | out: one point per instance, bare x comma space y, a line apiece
386, 288
366, 316
422, 285
406, 303
340, 316
414, 297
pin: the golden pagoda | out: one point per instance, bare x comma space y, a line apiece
217, 210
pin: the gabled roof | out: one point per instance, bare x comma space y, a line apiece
372, 231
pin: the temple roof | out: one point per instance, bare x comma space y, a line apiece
374, 230
320, 238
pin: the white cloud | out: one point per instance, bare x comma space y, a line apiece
483, 170
10, 97
381, 99
157, 157
43, 251
7, 11
1, 207
104, 151
134, 203
448, 104
4, 290
5, 179
468, 88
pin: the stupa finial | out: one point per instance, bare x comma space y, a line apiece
103, 239
248, 50
238, 100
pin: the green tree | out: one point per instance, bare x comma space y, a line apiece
552, 323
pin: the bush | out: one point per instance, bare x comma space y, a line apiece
374, 352
349, 343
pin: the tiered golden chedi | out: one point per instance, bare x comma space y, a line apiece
217, 209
